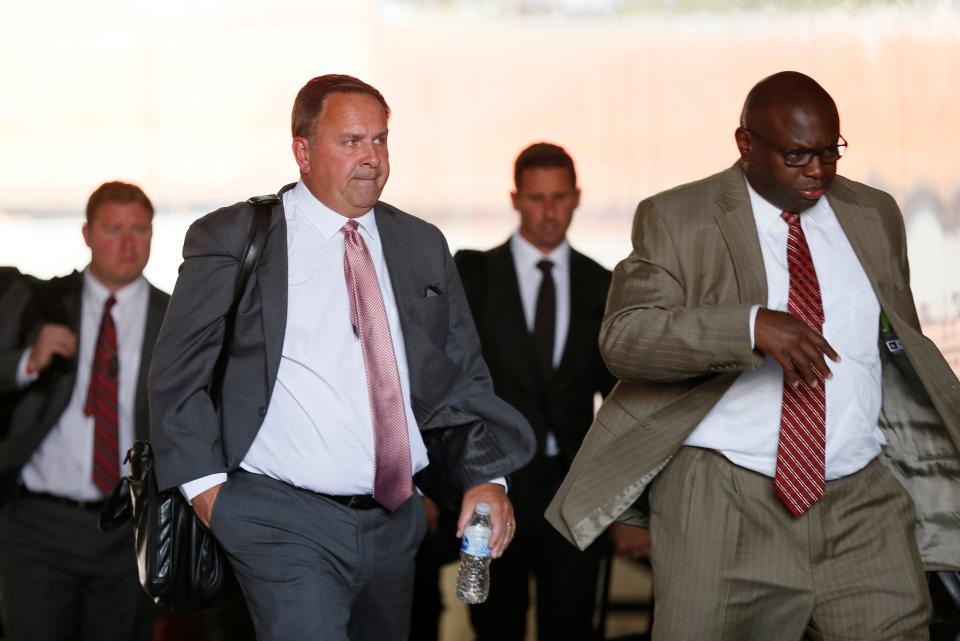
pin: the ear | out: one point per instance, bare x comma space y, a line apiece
576, 197
86, 233
301, 153
515, 199
744, 143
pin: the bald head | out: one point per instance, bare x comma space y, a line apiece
788, 112
790, 89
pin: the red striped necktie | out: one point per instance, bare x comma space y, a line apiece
102, 404
799, 479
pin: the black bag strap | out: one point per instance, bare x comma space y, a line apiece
256, 239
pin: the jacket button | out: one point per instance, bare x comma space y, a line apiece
231, 462
263, 412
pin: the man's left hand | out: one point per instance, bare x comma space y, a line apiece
501, 514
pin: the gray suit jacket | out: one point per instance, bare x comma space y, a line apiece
471, 435
27, 304
676, 333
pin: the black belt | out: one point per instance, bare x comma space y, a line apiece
90, 506
356, 501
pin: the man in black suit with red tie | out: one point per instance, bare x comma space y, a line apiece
74, 353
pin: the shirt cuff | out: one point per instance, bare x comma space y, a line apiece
24, 375
500, 480
753, 325
193, 488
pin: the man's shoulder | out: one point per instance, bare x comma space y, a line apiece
861, 194
477, 259
591, 268
706, 189
405, 220
226, 229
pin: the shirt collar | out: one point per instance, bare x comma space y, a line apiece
98, 293
768, 215
526, 255
328, 222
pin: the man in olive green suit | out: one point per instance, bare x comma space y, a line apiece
710, 330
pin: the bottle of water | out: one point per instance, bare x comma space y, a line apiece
473, 580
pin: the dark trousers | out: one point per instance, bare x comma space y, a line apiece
566, 581
62, 579
311, 568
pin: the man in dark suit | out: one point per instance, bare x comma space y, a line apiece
74, 353
538, 305
354, 363
780, 419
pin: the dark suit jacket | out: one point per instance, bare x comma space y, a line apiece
27, 304
564, 404
677, 335
470, 434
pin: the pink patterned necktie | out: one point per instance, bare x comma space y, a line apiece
102, 404
799, 479
393, 482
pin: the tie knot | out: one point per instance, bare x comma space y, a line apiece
792, 218
545, 266
107, 306
349, 226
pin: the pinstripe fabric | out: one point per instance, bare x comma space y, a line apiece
801, 449
676, 333
733, 565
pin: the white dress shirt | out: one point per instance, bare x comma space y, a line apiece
529, 278
744, 425
318, 434
63, 464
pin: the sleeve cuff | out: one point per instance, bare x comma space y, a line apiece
201, 485
500, 480
25, 376
753, 325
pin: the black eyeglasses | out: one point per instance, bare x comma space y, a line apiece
802, 157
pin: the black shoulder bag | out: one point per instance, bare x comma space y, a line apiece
181, 564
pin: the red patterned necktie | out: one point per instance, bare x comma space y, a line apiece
102, 404
799, 479
393, 483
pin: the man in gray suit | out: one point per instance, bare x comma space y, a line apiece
354, 363
770, 436
74, 353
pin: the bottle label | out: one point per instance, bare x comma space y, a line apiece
475, 541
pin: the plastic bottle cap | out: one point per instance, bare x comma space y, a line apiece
482, 508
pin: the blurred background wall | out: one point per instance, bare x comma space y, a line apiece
192, 100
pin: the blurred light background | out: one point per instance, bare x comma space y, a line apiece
191, 100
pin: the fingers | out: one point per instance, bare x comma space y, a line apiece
53, 340
502, 522
806, 360
798, 349
203, 504
504, 528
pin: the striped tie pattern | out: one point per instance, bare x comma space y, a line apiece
102, 404
393, 481
799, 478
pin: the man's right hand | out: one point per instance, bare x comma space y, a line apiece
203, 504
799, 350
53, 340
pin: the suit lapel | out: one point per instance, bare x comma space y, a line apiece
504, 287
156, 306
739, 229
859, 225
271, 283
580, 296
